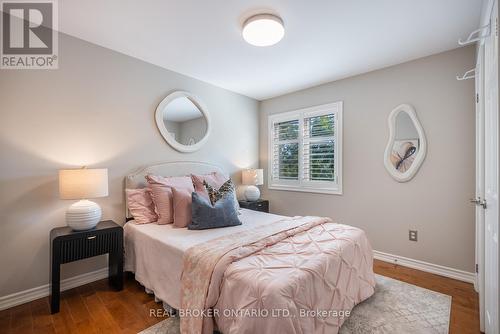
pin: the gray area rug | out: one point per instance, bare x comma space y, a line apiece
396, 307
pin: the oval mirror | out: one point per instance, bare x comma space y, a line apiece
406, 148
183, 121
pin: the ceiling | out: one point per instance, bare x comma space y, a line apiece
325, 40
180, 110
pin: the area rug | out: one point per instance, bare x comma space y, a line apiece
396, 307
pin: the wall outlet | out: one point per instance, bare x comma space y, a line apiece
413, 235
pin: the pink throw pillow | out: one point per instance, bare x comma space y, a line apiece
182, 207
141, 206
161, 191
214, 179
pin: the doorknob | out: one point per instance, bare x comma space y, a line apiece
479, 201
475, 200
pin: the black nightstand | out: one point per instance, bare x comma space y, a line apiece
67, 245
258, 205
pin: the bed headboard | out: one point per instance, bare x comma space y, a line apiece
179, 168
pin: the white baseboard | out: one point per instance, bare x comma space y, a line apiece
457, 274
26, 296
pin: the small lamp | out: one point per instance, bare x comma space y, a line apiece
83, 184
252, 178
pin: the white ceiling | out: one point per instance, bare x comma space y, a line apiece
180, 110
325, 40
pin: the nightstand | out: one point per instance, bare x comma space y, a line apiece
258, 205
67, 245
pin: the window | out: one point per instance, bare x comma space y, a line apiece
305, 149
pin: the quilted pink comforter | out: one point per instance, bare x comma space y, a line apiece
298, 275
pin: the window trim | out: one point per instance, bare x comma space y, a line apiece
321, 187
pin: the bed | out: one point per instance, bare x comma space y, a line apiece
272, 274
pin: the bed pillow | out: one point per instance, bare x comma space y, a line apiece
215, 194
161, 192
214, 179
205, 215
141, 206
182, 206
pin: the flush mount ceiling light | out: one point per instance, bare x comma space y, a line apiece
263, 30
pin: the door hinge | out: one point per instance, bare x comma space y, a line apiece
496, 27
477, 268
477, 98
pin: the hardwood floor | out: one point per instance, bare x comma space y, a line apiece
96, 308
91, 308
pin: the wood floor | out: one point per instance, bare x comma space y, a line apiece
95, 308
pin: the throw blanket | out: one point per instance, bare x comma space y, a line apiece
279, 278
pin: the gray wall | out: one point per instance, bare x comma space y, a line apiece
194, 128
435, 202
173, 127
96, 110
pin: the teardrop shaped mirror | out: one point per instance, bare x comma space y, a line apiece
183, 121
407, 146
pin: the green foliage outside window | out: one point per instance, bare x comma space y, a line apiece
289, 161
321, 154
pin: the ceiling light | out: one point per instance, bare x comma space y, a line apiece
263, 30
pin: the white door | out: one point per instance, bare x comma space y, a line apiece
480, 193
491, 255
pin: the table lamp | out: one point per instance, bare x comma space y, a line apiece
252, 178
82, 184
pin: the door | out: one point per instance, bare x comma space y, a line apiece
480, 193
491, 255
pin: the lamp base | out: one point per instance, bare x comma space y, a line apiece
83, 215
252, 193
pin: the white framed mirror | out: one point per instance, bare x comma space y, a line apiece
407, 145
183, 121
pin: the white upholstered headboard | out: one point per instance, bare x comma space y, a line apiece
179, 168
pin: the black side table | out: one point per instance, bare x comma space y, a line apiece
258, 205
67, 245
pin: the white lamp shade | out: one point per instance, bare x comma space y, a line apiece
83, 183
254, 177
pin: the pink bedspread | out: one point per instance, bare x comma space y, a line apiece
298, 275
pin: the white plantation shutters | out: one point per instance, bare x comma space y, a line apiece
285, 165
319, 148
305, 149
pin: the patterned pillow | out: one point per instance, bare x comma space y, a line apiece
214, 179
216, 194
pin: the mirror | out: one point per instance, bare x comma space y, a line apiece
183, 121
406, 148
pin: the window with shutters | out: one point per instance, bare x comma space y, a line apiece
305, 149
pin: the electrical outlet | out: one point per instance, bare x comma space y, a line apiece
413, 235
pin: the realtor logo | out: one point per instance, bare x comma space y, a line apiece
29, 35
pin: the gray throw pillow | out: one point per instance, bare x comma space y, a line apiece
205, 215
